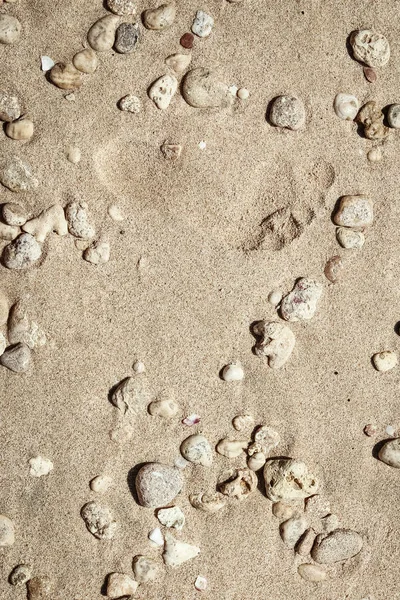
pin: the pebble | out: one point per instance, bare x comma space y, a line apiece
21, 329
156, 537
23, 252
301, 303
354, 211
370, 430
374, 155
20, 130
275, 297
126, 37
306, 542
171, 517
370, 47
120, 585
171, 151
101, 484
163, 90
10, 109
201, 88
139, 367
292, 530
231, 448
98, 253
288, 479
101, 35
371, 117
187, 41
14, 214
8, 233
159, 18
165, 408
191, 420
233, 372
99, 521
330, 523
86, 61
287, 112
243, 93
393, 116
17, 175
40, 466
385, 361
78, 220
202, 24
178, 62
313, 573
209, 503
317, 506
177, 552
7, 535
121, 397
10, 29
66, 76
346, 106
122, 8
130, 103
197, 450
145, 569
240, 483
20, 575
200, 583
73, 155
256, 461
333, 269
202, 145
274, 341
70, 97
39, 588
46, 63
51, 219
158, 484
336, 546
116, 214
390, 430
3, 343
265, 440
370, 74
390, 453
241, 422
283, 511
350, 239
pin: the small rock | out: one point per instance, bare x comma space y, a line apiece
256, 461
288, 479
201, 88
197, 450
231, 448
10, 109
122, 8
330, 523
209, 503
265, 440
130, 103
8, 233
350, 239
370, 47
393, 116
159, 18
333, 269
370, 430
241, 422
78, 223
17, 176
371, 117
22, 329
171, 151
20, 130
338, 545
240, 484
145, 569
370, 74
287, 112
275, 297
301, 303
101, 35
46, 63
22, 252
39, 588
317, 506
73, 155
99, 521
98, 253
233, 372
385, 361
178, 62
10, 29
162, 91
171, 517
121, 397
165, 408
158, 484
243, 93
20, 575
101, 484
274, 341
120, 585
51, 219
177, 552
374, 155
156, 537
86, 61
16, 358
283, 511
14, 214
390, 453
40, 466
126, 37
187, 41
115, 213
139, 367
201, 583
306, 542
354, 211
346, 106
202, 24
390, 430
311, 572
292, 530
7, 536
66, 76
70, 97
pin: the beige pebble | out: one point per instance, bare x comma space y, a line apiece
86, 61
196, 449
385, 361
283, 511
40, 466
130, 103
20, 130
120, 585
10, 109
354, 211
275, 297
115, 213
292, 530
73, 154
172, 516
370, 47
336, 546
8, 232
51, 219
239, 483
288, 479
101, 35
333, 269
256, 461
98, 253
77, 216
306, 542
390, 453
145, 569
231, 448
375, 154
275, 341
243, 93
159, 18
233, 372
163, 90
350, 239
139, 367
65, 76
178, 62
310, 572
317, 506
165, 408
122, 7
20, 575
101, 484
14, 214
10, 29
209, 503
241, 422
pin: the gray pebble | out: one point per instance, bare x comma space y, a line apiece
287, 112
17, 175
390, 453
157, 484
338, 545
10, 109
20, 575
22, 252
10, 29
126, 37
393, 116
16, 358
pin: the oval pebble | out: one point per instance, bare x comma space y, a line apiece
370, 74
370, 47
256, 461
159, 18
233, 372
17, 175
20, 130
178, 62
375, 154
7, 535
275, 297
292, 530
354, 211
101, 35
201, 88
130, 104
390, 453
310, 572
385, 361
86, 61
10, 29
196, 449
346, 106
14, 214
158, 484
122, 8
336, 546
98, 253
23, 252
10, 109
287, 112
288, 479
20, 575
283, 511
306, 542
393, 116
126, 37
241, 422
350, 239
163, 90
187, 41
66, 76
333, 269
101, 483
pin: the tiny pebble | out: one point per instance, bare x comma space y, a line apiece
145, 569
200, 583
139, 367
390, 453
178, 62
130, 103
126, 37
171, 517
100, 484
20, 575
187, 40
70, 97
191, 420
122, 7
233, 89
202, 145
98, 253
333, 269
115, 213
275, 297
287, 112
374, 155
233, 372
243, 93
370, 430
73, 154
370, 74
202, 24
10, 29
47, 63
156, 537
390, 430
40, 466
385, 361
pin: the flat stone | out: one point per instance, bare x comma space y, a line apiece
196, 449
99, 521
10, 109
14, 214
178, 62
301, 303
385, 361
22, 253
126, 37
101, 35
98, 253
201, 88
354, 211
66, 76
287, 112
202, 24
145, 569
10, 29
7, 535
288, 479
390, 453
17, 175
86, 61
16, 358
350, 239
275, 341
158, 484
336, 546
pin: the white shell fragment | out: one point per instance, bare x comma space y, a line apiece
47, 63
274, 341
156, 536
370, 47
346, 106
385, 361
287, 112
99, 521
231, 448
177, 552
302, 301
101, 35
40, 466
98, 253
162, 91
233, 372
354, 211
196, 449
202, 24
120, 585
51, 219
288, 479
171, 517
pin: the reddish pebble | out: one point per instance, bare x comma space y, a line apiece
187, 40
333, 269
370, 430
370, 75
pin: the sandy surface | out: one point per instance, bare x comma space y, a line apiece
186, 311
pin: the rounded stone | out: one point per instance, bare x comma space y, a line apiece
14, 214
393, 116
196, 449
370, 47
385, 361
313, 573
201, 88
283, 511
86, 61
275, 297
7, 535
122, 8
202, 24
187, 41
390, 453
126, 37
10, 109
101, 35
101, 484
243, 93
292, 530
159, 18
233, 372
287, 112
158, 484
163, 90
288, 479
20, 130
16, 358
65, 76
346, 106
333, 269
354, 211
17, 175
73, 155
336, 546
130, 104
10, 29
22, 252
350, 239
375, 155
20, 575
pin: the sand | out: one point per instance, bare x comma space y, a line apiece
186, 311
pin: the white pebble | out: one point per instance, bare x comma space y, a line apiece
390, 430
171, 517
100, 484
40, 466
47, 63
139, 367
374, 155
202, 145
288, 112
98, 253
385, 361
233, 372
115, 213
346, 106
370, 47
156, 537
162, 91
202, 24
200, 583
243, 93
275, 297
73, 154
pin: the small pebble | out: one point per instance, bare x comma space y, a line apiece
354, 211
333, 269
240, 484
256, 461
130, 103
202, 88
191, 420
101, 35
292, 530
39, 588
275, 297
145, 569
336, 546
10, 109
370, 47
288, 479
165, 408
17, 175
159, 18
177, 552
233, 90
370, 74
346, 106
390, 430
287, 112
266, 439
390, 453
120, 585
171, 517
70, 97
20, 130
313, 573
241, 422
122, 8
158, 484
46, 63
178, 62
98, 253
7, 535
202, 24
393, 116
101, 484
40, 466
306, 542
243, 93
301, 303
139, 367
163, 90
202, 145
370, 430
126, 37
77, 216
66, 76
374, 155
73, 154
187, 41
317, 506
14, 214
197, 450
86, 61
372, 118
201, 583
283, 511
233, 372
10, 29
156, 537
274, 341
385, 361
171, 151
231, 448
23, 252
115, 213
20, 575
350, 239
99, 521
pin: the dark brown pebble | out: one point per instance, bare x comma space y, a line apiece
370, 75
333, 269
187, 40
